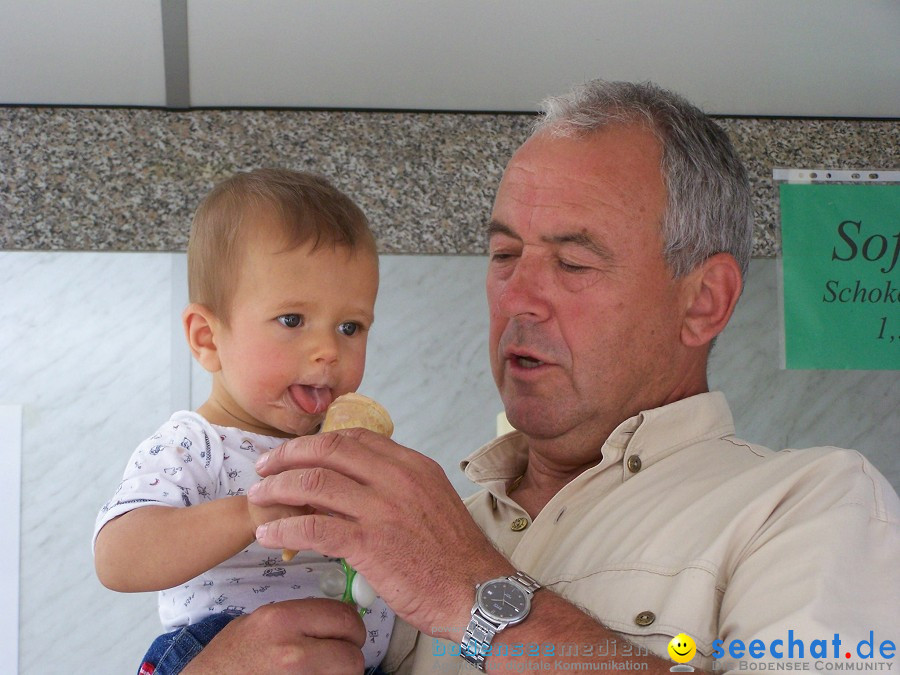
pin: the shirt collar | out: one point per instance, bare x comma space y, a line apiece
650, 435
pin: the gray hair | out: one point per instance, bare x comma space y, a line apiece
709, 206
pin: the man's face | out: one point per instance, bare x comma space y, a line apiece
585, 315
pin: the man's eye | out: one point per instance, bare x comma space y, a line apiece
290, 320
348, 328
569, 267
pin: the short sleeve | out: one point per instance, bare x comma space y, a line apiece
177, 466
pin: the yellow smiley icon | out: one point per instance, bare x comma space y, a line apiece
682, 648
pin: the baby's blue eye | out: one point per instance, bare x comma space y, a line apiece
290, 320
348, 328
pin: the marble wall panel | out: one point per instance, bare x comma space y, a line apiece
88, 351
85, 342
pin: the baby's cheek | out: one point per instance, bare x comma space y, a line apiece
353, 373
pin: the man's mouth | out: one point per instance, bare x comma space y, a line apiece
526, 361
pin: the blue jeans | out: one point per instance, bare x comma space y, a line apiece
171, 652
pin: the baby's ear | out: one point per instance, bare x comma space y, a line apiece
200, 326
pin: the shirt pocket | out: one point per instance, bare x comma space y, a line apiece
649, 605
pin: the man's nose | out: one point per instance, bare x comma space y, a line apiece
525, 291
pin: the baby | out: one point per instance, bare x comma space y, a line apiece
283, 273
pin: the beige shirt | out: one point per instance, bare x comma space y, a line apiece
682, 527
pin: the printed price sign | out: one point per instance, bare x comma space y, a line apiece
841, 276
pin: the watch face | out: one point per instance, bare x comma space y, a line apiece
503, 601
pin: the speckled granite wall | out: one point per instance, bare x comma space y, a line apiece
129, 179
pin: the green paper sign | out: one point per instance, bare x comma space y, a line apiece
841, 276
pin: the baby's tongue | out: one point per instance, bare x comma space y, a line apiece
313, 400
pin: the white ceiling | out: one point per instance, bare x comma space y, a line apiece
739, 57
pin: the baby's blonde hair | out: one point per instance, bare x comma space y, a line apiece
309, 209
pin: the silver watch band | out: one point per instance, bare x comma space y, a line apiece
476, 642
530, 584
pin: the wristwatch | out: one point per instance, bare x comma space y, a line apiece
498, 603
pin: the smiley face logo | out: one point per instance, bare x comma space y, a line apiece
682, 648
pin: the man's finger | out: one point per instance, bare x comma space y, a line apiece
315, 617
345, 450
330, 536
322, 489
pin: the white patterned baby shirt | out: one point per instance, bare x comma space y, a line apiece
189, 461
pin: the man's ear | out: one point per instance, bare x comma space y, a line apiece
714, 287
200, 326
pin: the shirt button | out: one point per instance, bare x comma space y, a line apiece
634, 464
645, 618
519, 524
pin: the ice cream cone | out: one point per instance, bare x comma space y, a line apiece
349, 411
355, 410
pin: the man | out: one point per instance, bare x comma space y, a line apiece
624, 508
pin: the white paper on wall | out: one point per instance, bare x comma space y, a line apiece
10, 490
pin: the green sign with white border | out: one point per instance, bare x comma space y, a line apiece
840, 263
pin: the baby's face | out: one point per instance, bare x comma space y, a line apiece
297, 335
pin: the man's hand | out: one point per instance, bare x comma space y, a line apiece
260, 515
307, 636
391, 513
